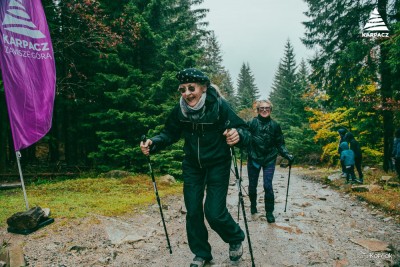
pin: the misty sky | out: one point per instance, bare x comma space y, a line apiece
255, 32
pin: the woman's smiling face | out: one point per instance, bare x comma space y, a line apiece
192, 92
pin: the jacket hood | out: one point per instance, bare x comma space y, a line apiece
348, 137
344, 146
342, 131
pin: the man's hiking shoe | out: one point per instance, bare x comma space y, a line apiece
270, 217
253, 209
198, 262
235, 251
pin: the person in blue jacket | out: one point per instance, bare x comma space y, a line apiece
348, 161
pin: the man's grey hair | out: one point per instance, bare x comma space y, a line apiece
264, 101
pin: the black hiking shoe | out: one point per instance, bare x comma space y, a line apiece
253, 203
270, 217
198, 262
253, 209
235, 251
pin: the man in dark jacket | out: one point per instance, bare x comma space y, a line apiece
266, 143
396, 152
201, 117
355, 146
342, 132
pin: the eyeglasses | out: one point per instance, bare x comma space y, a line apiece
183, 89
264, 108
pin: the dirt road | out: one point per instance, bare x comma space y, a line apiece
320, 228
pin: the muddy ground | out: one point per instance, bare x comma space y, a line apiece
321, 227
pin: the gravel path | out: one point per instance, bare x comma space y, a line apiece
321, 227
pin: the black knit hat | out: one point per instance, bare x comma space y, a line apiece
192, 75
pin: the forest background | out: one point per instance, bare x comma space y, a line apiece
116, 63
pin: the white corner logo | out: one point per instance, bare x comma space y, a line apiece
18, 21
375, 26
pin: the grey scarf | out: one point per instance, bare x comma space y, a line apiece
193, 113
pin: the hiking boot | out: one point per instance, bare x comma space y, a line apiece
198, 262
253, 209
253, 203
235, 251
270, 217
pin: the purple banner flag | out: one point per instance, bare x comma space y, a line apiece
28, 69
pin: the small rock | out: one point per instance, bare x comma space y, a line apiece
387, 219
169, 179
360, 188
77, 248
393, 184
372, 244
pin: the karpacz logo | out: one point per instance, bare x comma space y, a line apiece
25, 44
17, 21
375, 26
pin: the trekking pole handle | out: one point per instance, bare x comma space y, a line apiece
144, 139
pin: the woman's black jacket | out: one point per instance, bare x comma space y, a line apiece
267, 141
205, 144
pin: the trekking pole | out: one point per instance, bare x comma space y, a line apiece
242, 201
288, 181
158, 198
240, 180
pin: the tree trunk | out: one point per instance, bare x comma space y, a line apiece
54, 143
70, 135
387, 93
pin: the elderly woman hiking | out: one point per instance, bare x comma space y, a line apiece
267, 142
200, 117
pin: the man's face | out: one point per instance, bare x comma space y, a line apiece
264, 110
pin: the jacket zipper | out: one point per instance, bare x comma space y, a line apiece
198, 151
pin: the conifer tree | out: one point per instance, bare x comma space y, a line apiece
286, 93
247, 91
211, 63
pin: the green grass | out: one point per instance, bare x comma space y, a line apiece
83, 197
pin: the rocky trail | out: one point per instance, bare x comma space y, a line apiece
321, 227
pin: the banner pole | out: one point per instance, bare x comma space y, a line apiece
18, 154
